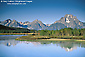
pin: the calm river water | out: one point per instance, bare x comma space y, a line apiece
9, 47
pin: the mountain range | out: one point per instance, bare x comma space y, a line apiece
67, 21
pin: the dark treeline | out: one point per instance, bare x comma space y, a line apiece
63, 32
5, 29
16, 31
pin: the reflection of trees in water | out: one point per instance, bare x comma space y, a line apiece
83, 45
68, 46
14, 42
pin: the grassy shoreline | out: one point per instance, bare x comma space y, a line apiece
35, 37
62, 40
16, 33
47, 38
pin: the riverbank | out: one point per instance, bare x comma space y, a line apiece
62, 40
50, 38
16, 33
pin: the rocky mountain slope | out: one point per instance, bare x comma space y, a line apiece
67, 21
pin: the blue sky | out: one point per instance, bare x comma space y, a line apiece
47, 11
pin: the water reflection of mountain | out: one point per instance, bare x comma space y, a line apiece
9, 42
70, 49
68, 46
28, 42
14, 42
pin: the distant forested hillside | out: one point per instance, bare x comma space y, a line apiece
5, 29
